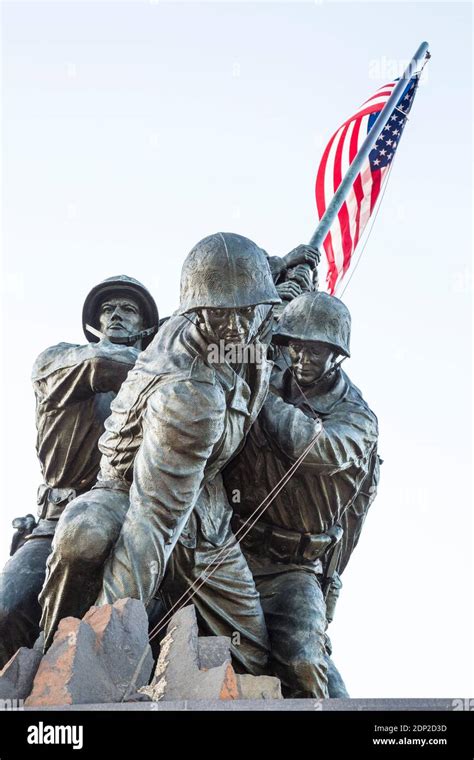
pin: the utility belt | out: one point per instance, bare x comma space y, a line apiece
52, 501
291, 546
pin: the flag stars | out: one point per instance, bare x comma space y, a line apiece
380, 156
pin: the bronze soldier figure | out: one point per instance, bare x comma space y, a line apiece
294, 274
178, 419
294, 548
74, 386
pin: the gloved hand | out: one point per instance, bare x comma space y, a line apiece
302, 254
303, 275
288, 290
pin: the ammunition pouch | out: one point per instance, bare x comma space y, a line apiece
289, 546
52, 501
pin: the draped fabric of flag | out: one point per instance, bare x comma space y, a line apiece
341, 242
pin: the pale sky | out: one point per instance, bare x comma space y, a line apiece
132, 130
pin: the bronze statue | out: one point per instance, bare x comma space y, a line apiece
314, 415
178, 419
74, 386
294, 274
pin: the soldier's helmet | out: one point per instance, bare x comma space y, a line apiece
226, 271
315, 317
114, 287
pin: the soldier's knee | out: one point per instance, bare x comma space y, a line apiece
80, 542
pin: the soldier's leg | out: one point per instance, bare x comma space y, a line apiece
295, 614
86, 532
20, 583
336, 685
227, 604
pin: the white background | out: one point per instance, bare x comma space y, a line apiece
131, 130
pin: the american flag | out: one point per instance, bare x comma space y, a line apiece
341, 242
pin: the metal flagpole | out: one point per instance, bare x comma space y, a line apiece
339, 196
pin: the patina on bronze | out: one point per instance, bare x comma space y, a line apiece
176, 422
294, 549
74, 386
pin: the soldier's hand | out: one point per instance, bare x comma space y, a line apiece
302, 254
270, 414
303, 275
289, 290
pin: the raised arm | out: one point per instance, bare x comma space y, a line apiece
67, 373
346, 437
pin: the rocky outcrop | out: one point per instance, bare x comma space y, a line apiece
193, 668
102, 658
